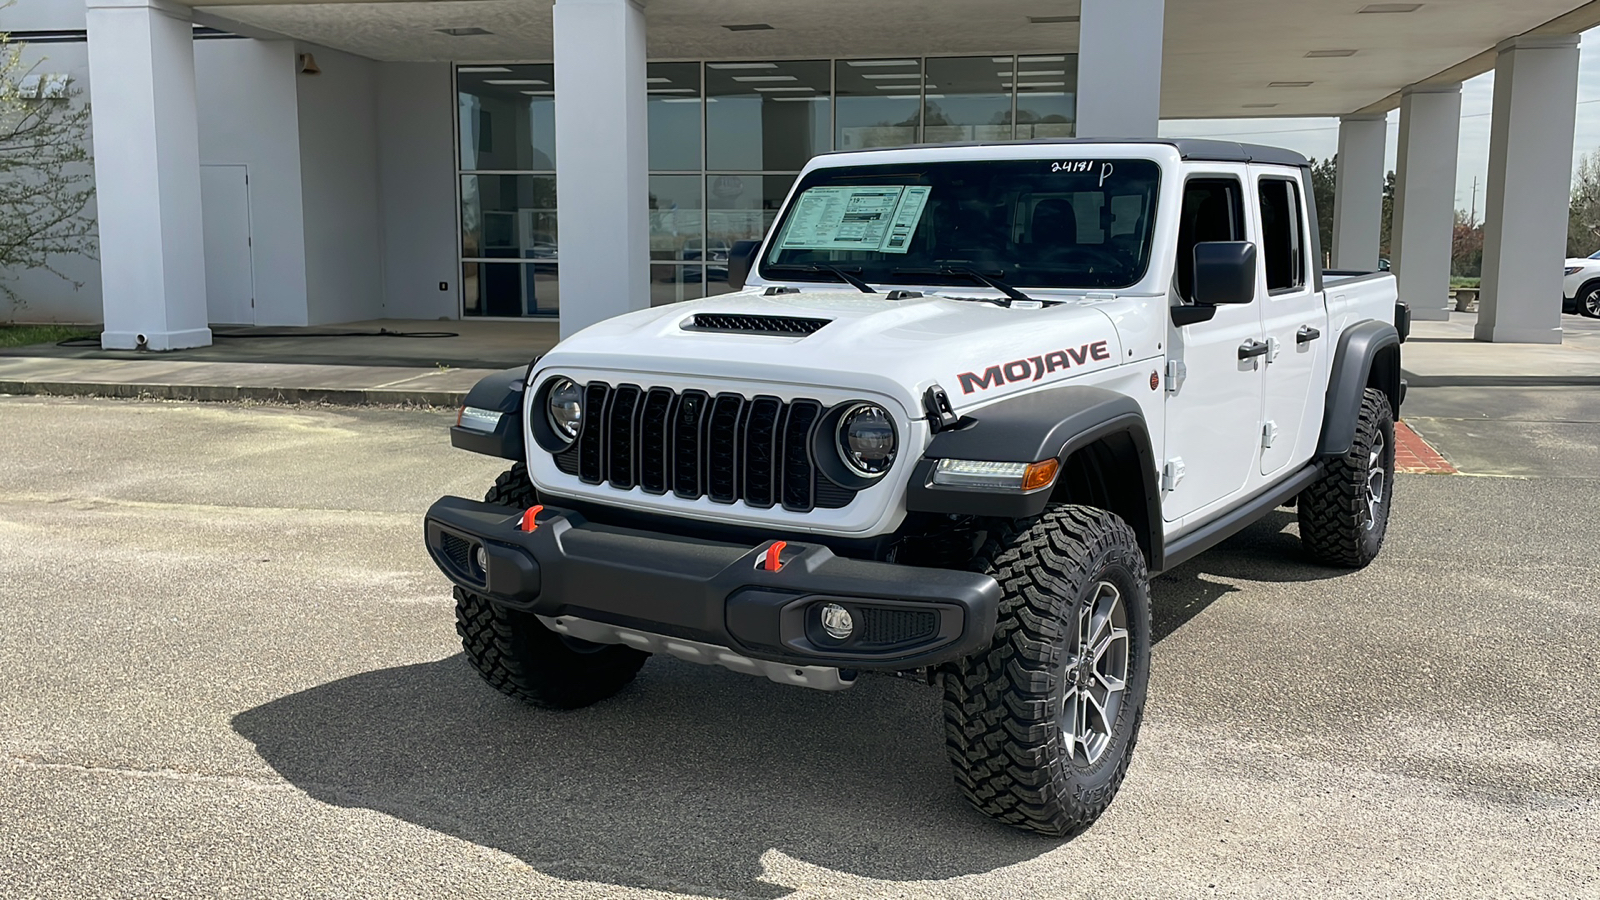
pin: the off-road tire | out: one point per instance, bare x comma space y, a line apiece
1004, 706
521, 658
1339, 523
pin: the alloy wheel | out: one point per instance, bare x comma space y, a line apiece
1095, 674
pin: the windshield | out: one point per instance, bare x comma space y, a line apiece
1595, 255
1033, 223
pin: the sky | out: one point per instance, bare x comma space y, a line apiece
1319, 137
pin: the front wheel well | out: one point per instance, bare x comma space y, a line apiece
1110, 474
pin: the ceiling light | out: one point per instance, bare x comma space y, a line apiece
658, 80
467, 31
670, 91
1045, 94
791, 99
1023, 84
513, 81
1051, 20
1261, 106
540, 93
1040, 59
1390, 8
773, 90
897, 76
899, 87
1003, 60
858, 63
758, 26
468, 69
1329, 54
765, 78
1038, 72
741, 65
1289, 84
680, 99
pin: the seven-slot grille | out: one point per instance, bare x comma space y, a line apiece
695, 444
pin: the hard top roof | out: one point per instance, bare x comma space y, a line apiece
1188, 148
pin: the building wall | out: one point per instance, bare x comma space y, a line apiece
246, 92
416, 165
339, 187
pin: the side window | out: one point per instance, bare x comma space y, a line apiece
1282, 235
1213, 210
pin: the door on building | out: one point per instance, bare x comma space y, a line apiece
230, 267
1213, 417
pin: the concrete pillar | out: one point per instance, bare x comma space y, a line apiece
1358, 194
1425, 197
602, 175
1530, 183
1119, 68
147, 174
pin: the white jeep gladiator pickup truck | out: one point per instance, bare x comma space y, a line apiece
967, 400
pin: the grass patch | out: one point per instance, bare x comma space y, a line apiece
1466, 282
24, 335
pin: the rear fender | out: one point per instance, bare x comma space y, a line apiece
1368, 355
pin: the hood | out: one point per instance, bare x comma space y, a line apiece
975, 350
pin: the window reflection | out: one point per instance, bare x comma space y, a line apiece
507, 117
509, 289
877, 103
674, 102
968, 99
742, 207
508, 216
771, 116
1047, 96
675, 283
676, 216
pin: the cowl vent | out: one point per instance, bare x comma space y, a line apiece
732, 323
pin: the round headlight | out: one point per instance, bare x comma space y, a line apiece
867, 439
564, 405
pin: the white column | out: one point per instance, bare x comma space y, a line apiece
147, 174
1530, 180
602, 180
1358, 193
1425, 197
1119, 68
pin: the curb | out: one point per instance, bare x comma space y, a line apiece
223, 394
1432, 381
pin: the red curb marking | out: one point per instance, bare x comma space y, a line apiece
1415, 455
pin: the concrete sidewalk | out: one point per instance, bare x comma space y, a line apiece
1443, 354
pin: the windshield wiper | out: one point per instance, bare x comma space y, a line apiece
1011, 293
844, 276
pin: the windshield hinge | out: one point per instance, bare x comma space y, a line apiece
775, 290
941, 415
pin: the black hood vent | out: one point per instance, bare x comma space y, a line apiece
733, 323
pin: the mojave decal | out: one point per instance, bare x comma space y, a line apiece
1034, 368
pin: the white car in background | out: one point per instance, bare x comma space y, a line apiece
1580, 291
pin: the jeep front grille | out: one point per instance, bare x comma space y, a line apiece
694, 444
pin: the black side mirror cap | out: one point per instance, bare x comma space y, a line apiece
1189, 315
1224, 272
741, 256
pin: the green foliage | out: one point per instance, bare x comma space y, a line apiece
1324, 175
24, 335
1583, 216
46, 180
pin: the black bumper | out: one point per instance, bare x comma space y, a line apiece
711, 592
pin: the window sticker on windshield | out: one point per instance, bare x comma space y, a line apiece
877, 218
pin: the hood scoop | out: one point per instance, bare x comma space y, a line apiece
734, 323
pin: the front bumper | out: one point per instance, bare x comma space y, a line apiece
713, 593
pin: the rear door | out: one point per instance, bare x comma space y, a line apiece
1214, 407
1292, 318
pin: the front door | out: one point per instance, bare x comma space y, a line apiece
1213, 409
225, 222
1294, 320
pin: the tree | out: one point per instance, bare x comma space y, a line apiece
1324, 177
46, 180
1466, 247
1386, 223
1583, 216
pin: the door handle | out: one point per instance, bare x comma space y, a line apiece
1253, 348
1306, 335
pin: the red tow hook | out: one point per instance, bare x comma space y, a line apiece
529, 519
772, 560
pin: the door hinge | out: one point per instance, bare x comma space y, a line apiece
1273, 348
1176, 371
1172, 474
1269, 434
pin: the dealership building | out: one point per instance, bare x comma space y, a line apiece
273, 163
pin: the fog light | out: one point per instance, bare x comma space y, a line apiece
836, 621
482, 557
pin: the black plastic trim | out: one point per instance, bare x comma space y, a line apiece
707, 591
1359, 347
1186, 547
502, 393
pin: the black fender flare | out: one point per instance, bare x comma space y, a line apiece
1362, 347
1051, 423
501, 393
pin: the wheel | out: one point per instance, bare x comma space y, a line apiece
1589, 303
1345, 513
1041, 725
521, 658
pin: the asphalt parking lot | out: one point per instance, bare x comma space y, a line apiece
228, 669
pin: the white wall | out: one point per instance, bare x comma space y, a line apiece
417, 182
339, 187
246, 93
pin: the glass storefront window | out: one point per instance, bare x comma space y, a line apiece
742, 207
507, 117
509, 289
968, 99
674, 102
677, 227
508, 217
877, 102
766, 116
1047, 96
675, 283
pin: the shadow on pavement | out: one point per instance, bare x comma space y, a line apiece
680, 783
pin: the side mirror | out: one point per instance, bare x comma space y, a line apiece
1224, 272
741, 256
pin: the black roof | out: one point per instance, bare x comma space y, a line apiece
1188, 148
